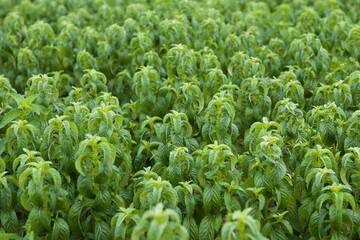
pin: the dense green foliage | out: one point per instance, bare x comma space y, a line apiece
177, 119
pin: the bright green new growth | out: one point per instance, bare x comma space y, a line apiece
179, 119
